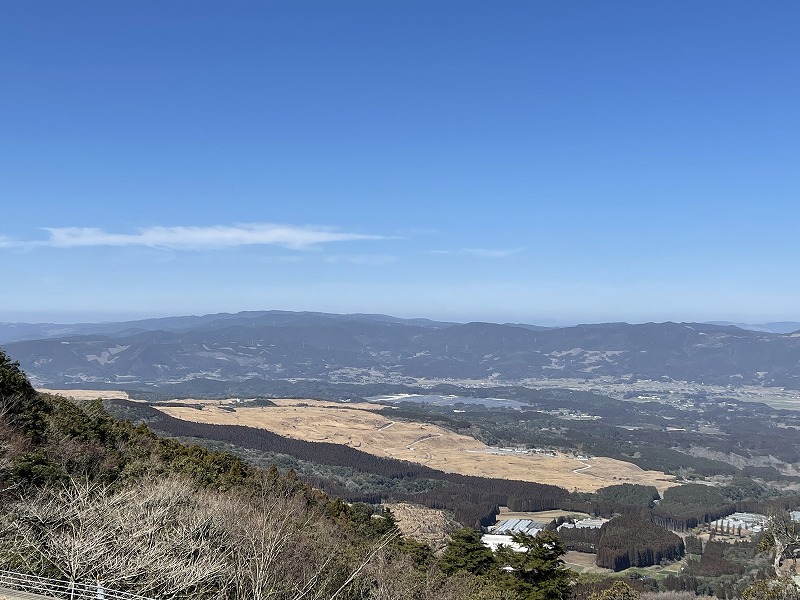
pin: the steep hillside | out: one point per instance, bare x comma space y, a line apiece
84, 495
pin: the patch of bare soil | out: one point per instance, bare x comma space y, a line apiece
586, 561
423, 524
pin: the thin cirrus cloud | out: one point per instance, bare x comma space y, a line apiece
196, 238
481, 252
373, 260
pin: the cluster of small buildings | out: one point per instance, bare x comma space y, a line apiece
519, 526
588, 523
500, 535
740, 522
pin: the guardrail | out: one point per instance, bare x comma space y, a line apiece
56, 588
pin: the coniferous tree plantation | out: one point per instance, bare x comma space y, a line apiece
632, 541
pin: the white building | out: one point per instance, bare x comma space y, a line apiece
746, 522
500, 535
519, 526
584, 524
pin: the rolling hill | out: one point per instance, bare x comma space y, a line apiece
277, 345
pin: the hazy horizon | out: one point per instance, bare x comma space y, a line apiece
99, 317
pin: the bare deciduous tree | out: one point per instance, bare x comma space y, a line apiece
157, 538
170, 539
267, 534
782, 535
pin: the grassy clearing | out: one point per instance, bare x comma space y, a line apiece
358, 426
584, 564
86, 395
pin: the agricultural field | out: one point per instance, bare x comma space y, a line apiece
357, 425
582, 562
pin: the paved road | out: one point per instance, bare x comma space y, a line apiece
6, 594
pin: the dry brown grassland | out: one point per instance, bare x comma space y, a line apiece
357, 425
86, 395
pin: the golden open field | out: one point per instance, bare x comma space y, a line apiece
86, 394
357, 425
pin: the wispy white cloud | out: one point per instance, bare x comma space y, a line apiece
195, 238
481, 252
283, 259
491, 253
362, 259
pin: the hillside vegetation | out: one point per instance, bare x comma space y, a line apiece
84, 495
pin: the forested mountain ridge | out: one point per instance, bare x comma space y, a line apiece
275, 346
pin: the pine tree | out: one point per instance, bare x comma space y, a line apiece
538, 573
466, 552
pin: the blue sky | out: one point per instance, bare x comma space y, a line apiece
504, 161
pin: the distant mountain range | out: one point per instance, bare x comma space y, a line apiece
776, 327
13, 332
279, 345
